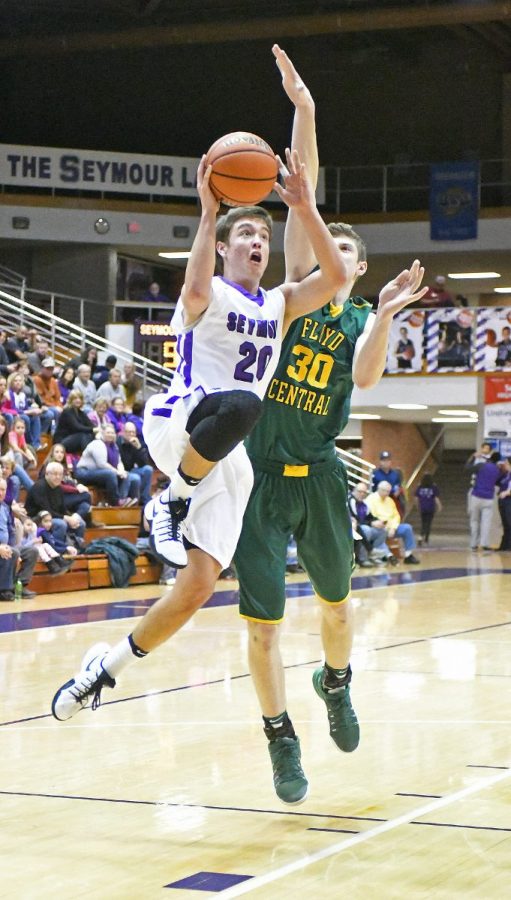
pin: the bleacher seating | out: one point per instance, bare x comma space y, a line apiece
91, 570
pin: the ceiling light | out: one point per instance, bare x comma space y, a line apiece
506, 290
474, 275
406, 406
454, 419
364, 416
457, 412
176, 254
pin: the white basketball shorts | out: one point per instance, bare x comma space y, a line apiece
218, 503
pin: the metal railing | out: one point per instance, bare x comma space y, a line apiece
10, 277
67, 339
424, 458
357, 469
404, 187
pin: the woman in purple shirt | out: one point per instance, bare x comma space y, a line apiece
428, 502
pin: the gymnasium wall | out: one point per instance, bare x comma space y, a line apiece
439, 99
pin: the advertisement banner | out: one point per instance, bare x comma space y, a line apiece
94, 170
405, 342
456, 331
497, 325
454, 201
497, 410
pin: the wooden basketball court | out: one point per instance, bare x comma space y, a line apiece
166, 790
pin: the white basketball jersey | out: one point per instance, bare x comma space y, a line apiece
236, 343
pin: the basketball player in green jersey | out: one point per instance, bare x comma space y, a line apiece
300, 484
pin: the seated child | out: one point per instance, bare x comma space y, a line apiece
44, 522
53, 561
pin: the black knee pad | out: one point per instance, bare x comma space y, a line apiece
221, 421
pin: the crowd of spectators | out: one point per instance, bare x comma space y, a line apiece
89, 417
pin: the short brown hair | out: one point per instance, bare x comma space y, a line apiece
225, 223
338, 228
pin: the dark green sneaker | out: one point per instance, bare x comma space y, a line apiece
290, 783
343, 722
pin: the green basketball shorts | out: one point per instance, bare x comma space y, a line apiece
313, 508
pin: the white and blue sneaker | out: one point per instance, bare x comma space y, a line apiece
74, 695
165, 517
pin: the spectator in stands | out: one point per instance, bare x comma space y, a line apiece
48, 388
100, 464
47, 494
116, 414
384, 512
137, 417
33, 337
6, 366
52, 559
17, 345
24, 455
26, 408
88, 357
6, 451
437, 295
75, 430
35, 358
481, 503
153, 294
373, 537
10, 553
385, 472
98, 415
48, 530
132, 385
86, 387
7, 410
66, 380
47, 415
427, 499
135, 458
112, 388
101, 373
77, 498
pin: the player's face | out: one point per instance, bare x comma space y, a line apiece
348, 248
247, 250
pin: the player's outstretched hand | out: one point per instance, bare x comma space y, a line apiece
206, 195
402, 290
296, 191
293, 85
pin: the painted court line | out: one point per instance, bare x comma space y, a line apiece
342, 845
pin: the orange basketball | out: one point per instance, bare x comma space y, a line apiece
244, 168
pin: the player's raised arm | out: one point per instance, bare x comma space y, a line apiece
298, 251
200, 269
321, 285
371, 348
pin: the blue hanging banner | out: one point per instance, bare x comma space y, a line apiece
454, 201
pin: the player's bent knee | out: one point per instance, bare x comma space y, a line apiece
221, 421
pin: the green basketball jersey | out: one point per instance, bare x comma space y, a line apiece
308, 400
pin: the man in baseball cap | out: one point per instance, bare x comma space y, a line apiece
48, 389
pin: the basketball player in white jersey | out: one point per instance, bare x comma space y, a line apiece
230, 336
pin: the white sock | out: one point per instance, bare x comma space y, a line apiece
180, 488
119, 657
